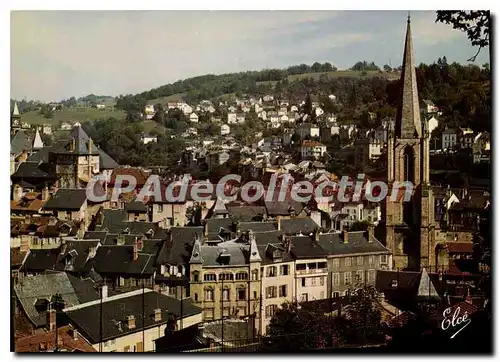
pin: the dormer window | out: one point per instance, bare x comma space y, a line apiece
126, 231
394, 284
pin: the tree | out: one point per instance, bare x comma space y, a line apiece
387, 68
316, 67
363, 316
159, 116
133, 116
307, 107
46, 111
327, 67
296, 327
475, 23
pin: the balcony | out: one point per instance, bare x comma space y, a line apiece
312, 271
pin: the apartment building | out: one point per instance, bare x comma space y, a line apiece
225, 277
353, 259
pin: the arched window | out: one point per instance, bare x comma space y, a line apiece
255, 274
409, 164
242, 276
196, 276
209, 294
209, 277
226, 276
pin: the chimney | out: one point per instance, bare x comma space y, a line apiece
17, 193
90, 146
73, 144
345, 236
138, 242
51, 320
316, 235
74, 333
104, 291
45, 193
278, 222
371, 233
136, 251
157, 315
130, 322
205, 231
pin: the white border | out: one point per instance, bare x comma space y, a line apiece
193, 5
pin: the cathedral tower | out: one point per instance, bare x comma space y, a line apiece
410, 233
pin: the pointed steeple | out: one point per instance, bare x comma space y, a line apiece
15, 112
37, 143
408, 123
426, 289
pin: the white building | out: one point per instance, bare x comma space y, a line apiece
193, 118
312, 149
147, 138
231, 118
225, 130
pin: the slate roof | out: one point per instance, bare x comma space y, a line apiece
178, 246
265, 249
66, 199
40, 260
303, 247
268, 237
34, 170
357, 244
79, 252
118, 260
82, 142
115, 222
17, 257
214, 226
275, 208
256, 226
245, 212
96, 235
44, 286
296, 225
20, 142
239, 254
136, 206
112, 220
116, 309
236, 328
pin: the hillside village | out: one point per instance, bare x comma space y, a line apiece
159, 275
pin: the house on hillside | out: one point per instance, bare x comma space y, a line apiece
225, 130
147, 138
312, 149
193, 118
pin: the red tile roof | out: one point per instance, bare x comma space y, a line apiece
45, 342
455, 247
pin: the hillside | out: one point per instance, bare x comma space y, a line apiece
72, 114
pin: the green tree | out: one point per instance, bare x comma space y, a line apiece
316, 67
159, 116
475, 23
307, 108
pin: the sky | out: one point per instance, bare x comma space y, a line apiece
59, 54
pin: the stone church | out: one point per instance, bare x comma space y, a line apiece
409, 224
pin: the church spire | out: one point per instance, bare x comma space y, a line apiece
408, 114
